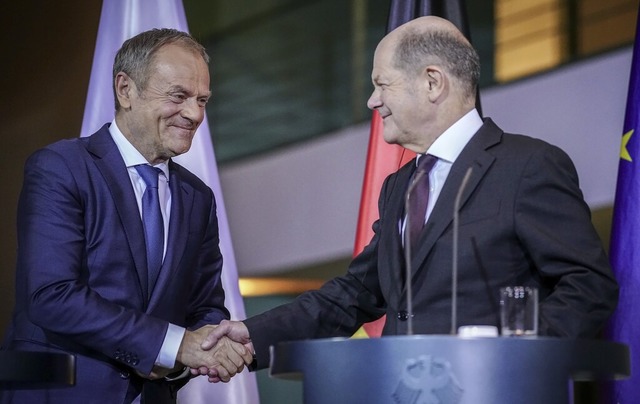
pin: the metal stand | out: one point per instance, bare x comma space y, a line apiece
32, 370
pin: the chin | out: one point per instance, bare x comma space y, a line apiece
390, 138
180, 148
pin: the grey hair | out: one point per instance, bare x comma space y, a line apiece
417, 49
136, 54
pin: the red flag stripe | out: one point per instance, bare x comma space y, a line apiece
382, 160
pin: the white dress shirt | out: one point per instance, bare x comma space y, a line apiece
447, 148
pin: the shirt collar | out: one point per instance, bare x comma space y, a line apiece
131, 156
449, 145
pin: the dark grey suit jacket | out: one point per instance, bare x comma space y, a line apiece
523, 221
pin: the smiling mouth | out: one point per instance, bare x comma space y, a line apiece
190, 128
185, 127
184, 133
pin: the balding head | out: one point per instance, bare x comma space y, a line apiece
425, 75
433, 40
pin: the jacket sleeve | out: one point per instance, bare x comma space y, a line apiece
554, 223
337, 309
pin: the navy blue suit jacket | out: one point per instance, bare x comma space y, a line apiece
81, 278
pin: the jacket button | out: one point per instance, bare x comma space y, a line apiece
124, 375
403, 315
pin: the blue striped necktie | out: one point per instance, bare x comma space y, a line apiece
152, 223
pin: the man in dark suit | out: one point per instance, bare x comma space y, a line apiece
522, 217
85, 280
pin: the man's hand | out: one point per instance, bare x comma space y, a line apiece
234, 330
226, 359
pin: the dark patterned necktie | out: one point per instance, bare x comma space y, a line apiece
419, 199
152, 222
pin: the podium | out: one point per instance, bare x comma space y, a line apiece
446, 369
33, 370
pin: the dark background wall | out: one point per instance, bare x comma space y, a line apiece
47, 49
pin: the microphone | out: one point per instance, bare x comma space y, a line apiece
407, 251
454, 260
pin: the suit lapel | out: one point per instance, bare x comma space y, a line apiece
392, 249
111, 165
474, 155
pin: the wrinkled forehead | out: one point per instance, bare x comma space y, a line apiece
383, 54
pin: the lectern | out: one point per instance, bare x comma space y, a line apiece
446, 369
32, 370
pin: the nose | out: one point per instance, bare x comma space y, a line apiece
193, 110
374, 100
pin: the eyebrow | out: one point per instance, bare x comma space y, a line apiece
179, 88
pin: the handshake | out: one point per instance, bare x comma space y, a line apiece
218, 352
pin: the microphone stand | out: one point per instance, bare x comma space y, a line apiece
454, 259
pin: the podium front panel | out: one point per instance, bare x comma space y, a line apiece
446, 369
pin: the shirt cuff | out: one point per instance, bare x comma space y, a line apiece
178, 375
170, 346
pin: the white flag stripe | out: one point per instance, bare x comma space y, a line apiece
120, 20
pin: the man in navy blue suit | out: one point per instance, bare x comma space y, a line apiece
82, 277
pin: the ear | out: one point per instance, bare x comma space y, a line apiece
124, 88
435, 81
